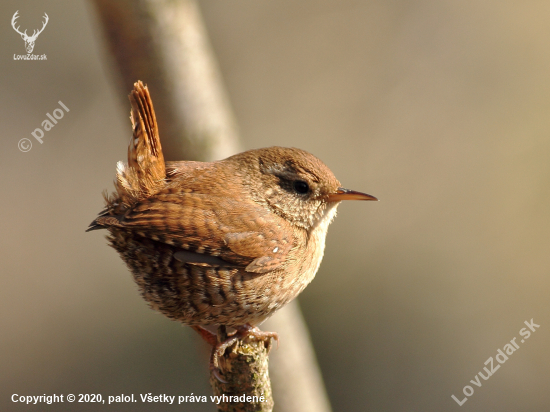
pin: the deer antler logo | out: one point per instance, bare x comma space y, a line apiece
29, 40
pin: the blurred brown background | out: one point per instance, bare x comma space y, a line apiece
439, 108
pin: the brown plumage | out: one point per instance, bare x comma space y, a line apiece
219, 243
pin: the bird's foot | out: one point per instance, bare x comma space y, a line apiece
225, 341
254, 332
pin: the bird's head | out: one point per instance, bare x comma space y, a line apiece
295, 185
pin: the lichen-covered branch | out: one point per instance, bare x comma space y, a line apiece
248, 388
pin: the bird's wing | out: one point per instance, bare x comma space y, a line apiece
234, 231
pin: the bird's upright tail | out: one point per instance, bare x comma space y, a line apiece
145, 171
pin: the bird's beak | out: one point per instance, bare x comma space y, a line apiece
346, 194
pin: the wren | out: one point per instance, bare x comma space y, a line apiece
223, 243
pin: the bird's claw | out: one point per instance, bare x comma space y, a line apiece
220, 346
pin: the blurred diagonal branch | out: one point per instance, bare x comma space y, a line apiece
164, 43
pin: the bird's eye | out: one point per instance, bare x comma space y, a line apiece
300, 187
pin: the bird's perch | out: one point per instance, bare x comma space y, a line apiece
248, 387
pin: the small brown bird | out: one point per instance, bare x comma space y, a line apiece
219, 243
